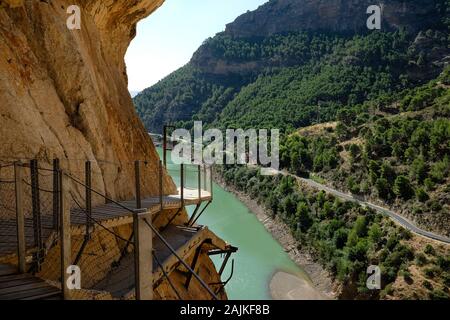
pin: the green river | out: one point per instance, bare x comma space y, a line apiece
259, 256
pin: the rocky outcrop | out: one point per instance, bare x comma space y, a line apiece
278, 16
345, 18
64, 92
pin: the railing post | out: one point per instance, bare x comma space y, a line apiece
65, 232
56, 183
88, 182
36, 210
161, 185
143, 260
21, 244
165, 146
205, 177
211, 180
182, 184
199, 183
137, 178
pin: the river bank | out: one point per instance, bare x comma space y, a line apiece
285, 286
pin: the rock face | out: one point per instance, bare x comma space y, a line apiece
279, 16
64, 92
345, 17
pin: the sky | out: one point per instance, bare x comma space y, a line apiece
167, 39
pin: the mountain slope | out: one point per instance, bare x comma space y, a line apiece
274, 66
396, 152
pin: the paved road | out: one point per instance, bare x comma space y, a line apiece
391, 214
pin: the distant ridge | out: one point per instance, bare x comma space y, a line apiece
134, 93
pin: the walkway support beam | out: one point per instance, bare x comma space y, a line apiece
21, 244
65, 232
143, 260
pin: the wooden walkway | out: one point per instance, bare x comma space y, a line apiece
14, 286
109, 215
120, 282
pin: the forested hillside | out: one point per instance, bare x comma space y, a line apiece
367, 112
395, 151
299, 76
346, 238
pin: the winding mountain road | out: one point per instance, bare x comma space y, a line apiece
391, 214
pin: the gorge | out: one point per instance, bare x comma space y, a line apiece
64, 96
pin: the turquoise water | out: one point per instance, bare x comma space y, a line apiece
259, 255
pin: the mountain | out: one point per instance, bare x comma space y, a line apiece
394, 153
331, 16
364, 112
275, 66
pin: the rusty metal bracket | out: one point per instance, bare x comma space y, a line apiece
194, 214
195, 260
191, 223
173, 218
223, 284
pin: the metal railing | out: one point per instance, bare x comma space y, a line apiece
39, 201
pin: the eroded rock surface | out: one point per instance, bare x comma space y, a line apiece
279, 16
64, 93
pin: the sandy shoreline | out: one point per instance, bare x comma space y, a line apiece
284, 286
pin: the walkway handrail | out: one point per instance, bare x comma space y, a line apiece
167, 276
132, 211
204, 285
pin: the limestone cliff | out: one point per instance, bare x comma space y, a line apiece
345, 18
64, 93
279, 16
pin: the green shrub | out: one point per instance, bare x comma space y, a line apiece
375, 233
432, 272
421, 195
429, 184
421, 259
406, 275
443, 263
386, 291
438, 294
426, 284
403, 188
430, 250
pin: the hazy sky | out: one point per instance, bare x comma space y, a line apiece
167, 39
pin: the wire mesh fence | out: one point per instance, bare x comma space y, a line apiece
102, 248
192, 177
7, 191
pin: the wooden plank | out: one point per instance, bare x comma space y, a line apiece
20, 219
6, 270
143, 251
17, 282
65, 236
33, 293
23, 287
48, 297
14, 277
56, 295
